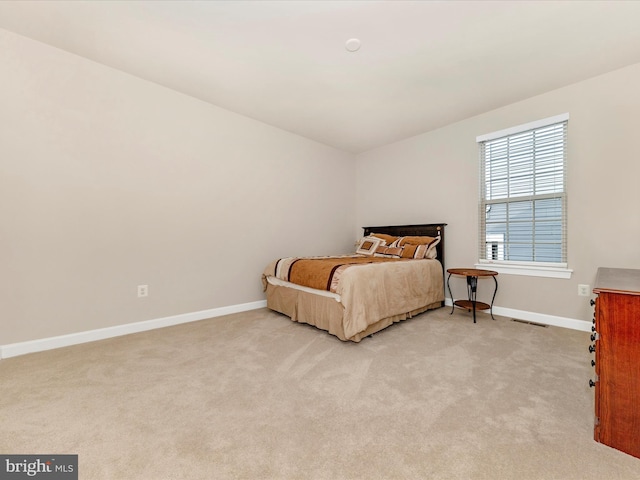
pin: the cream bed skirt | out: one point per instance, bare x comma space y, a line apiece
325, 312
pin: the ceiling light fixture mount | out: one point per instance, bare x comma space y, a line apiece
352, 45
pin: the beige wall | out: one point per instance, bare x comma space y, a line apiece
434, 178
108, 181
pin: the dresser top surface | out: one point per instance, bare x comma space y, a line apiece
618, 280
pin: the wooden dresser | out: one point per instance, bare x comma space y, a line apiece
617, 359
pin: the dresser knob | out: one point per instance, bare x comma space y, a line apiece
593, 363
593, 337
592, 383
592, 348
592, 302
593, 329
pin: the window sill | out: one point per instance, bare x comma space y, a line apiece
527, 270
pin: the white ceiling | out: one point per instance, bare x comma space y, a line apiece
422, 64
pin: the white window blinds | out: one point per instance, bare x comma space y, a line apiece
523, 204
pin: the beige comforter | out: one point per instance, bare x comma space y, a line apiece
374, 291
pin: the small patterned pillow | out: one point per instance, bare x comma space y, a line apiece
414, 251
368, 245
390, 252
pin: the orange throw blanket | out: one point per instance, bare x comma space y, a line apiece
322, 273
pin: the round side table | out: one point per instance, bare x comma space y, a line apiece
471, 304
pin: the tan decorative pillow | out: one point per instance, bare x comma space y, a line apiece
413, 251
432, 252
422, 250
390, 252
388, 239
368, 245
417, 240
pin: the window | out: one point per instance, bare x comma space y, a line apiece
523, 200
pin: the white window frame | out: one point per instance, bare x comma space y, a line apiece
536, 269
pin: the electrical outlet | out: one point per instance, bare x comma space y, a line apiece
583, 290
143, 291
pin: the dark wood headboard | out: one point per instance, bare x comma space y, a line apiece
426, 229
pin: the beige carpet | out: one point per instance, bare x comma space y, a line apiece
256, 396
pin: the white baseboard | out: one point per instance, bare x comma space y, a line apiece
542, 318
32, 346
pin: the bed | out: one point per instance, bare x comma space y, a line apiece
395, 273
